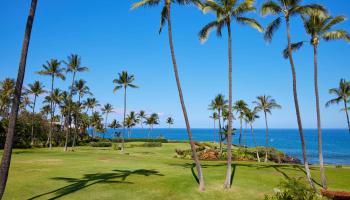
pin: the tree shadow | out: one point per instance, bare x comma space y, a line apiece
76, 184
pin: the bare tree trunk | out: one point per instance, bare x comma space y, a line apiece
318, 112
193, 147
124, 118
297, 110
256, 146
6, 158
220, 133
267, 137
227, 183
33, 115
347, 114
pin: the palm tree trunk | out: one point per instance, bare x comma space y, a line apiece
256, 146
297, 110
240, 132
124, 119
33, 115
6, 157
69, 122
214, 132
220, 133
227, 183
267, 137
105, 126
52, 112
193, 147
319, 131
75, 136
347, 114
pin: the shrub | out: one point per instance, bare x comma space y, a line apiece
100, 144
152, 144
161, 140
293, 189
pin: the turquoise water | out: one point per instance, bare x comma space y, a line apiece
336, 142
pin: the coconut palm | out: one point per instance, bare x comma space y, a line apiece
129, 123
166, 18
53, 69
285, 10
81, 89
73, 65
91, 104
250, 116
240, 106
342, 94
141, 117
215, 117
96, 122
6, 156
7, 88
266, 104
219, 104
35, 89
227, 12
152, 120
170, 121
114, 125
107, 108
124, 81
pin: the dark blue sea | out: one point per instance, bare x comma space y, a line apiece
336, 142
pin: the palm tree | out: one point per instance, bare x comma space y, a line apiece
114, 125
166, 18
107, 108
250, 116
228, 11
152, 120
6, 156
266, 104
124, 81
286, 9
240, 107
170, 121
129, 123
7, 88
342, 94
95, 121
215, 117
219, 104
142, 116
319, 26
52, 68
35, 89
91, 103
81, 89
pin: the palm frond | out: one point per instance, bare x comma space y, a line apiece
204, 33
145, 3
251, 22
116, 88
270, 7
333, 21
336, 35
271, 28
163, 18
333, 101
246, 6
295, 46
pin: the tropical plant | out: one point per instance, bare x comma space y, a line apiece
240, 107
96, 123
219, 104
266, 104
91, 104
35, 89
7, 88
81, 89
6, 156
107, 108
227, 12
129, 123
53, 69
166, 18
152, 120
250, 116
141, 117
342, 94
124, 81
284, 10
215, 117
114, 125
170, 121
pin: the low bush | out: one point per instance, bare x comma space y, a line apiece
161, 140
100, 144
152, 144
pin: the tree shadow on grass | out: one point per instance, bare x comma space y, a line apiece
76, 184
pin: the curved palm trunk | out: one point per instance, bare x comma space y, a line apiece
52, 114
347, 114
256, 146
240, 132
33, 115
267, 137
124, 118
214, 131
319, 131
105, 126
297, 110
6, 157
220, 133
75, 136
193, 147
69, 114
227, 183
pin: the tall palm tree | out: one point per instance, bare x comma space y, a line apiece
129, 123
152, 120
215, 117
170, 121
7, 88
319, 26
342, 94
114, 125
240, 106
284, 10
81, 89
266, 104
35, 89
124, 81
142, 116
95, 121
227, 12
6, 156
107, 108
53, 69
91, 104
166, 18
250, 116
219, 104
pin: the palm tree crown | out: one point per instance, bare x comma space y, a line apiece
342, 93
74, 64
36, 88
53, 68
266, 103
124, 80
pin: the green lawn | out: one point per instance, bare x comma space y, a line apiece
143, 173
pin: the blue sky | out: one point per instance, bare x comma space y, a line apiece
110, 38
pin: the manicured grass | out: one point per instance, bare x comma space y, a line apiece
143, 173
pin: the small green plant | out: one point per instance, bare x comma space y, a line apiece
100, 144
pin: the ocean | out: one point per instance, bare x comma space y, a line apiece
336, 142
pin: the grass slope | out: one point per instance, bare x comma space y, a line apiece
143, 173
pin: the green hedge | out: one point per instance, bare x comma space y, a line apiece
100, 144
161, 140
